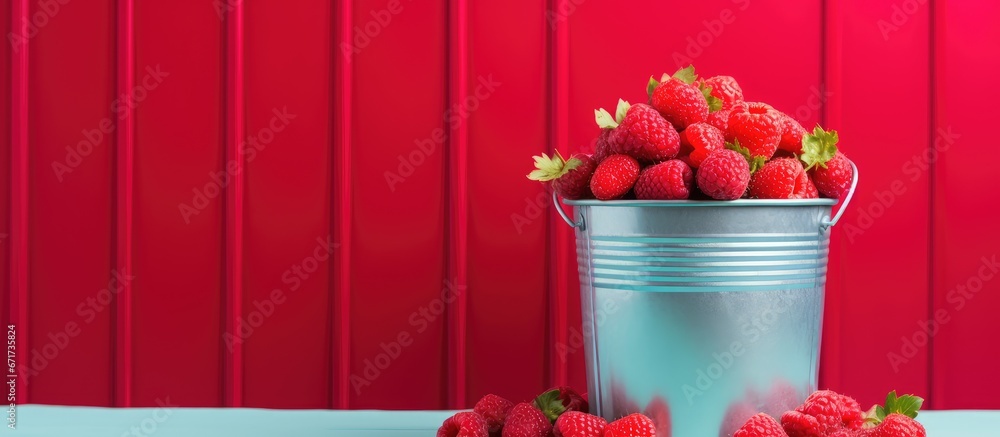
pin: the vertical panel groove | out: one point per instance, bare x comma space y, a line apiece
331, 325
125, 142
457, 182
932, 180
235, 135
830, 116
824, 28
562, 262
342, 203
19, 186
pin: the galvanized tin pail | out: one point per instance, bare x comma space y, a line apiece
702, 313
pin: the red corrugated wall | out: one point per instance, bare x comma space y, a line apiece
321, 204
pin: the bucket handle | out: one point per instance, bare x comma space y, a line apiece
569, 221
827, 222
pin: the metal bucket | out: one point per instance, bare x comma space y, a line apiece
702, 313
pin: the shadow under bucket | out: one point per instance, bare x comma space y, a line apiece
701, 313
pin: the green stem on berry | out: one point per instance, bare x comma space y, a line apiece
714, 103
547, 169
550, 404
907, 405
818, 147
622, 110
686, 75
651, 86
755, 162
604, 119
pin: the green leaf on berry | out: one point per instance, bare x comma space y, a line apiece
653, 83
818, 147
907, 405
550, 404
714, 103
686, 75
604, 119
622, 110
547, 169
755, 162
871, 416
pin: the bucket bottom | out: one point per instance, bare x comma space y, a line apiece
701, 363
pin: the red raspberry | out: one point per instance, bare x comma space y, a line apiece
526, 420
761, 425
644, 135
791, 134
797, 424
669, 180
896, 425
755, 126
823, 412
494, 409
777, 179
575, 184
720, 119
579, 424
570, 178
463, 425
830, 170
726, 89
700, 139
680, 103
603, 147
633, 425
805, 188
724, 175
614, 177
834, 180
829, 403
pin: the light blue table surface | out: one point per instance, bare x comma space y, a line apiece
55, 421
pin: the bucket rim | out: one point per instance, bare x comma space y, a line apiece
701, 203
